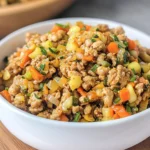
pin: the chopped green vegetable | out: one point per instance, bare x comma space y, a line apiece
121, 44
86, 99
6, 88
105, 63
75, 101
135, 109
133, 71
116, 90
97, 29
125, 57
62, 25
94, 68
148, 77
53, 50
28, 94
44, 52
42, 66
125, 43
128, 108
95, 36
83, 28
118, 61
41, 86
133, 78
114, 37
61, 57
5, 60
38, 97
93, 40
105, 81
117, 100
77, 117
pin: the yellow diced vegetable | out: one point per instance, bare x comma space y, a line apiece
89, 118
45, 90
145, 67
74, 29
75, 82
32, 47
136, 66
35, 53
6, 75
47, 44
133, 96
61, 48
99, 86
67, 104
30, 87
102, 37
56, 63
53, 86
71, 46
107, 112
143, 105
62, 81
28, 75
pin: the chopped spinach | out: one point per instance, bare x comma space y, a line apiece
125, 57
53, 50
114, 37
117, 100
44, 52
75, 101
94, 68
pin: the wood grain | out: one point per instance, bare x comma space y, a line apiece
9, 142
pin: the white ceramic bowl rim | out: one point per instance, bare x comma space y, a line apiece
69, 124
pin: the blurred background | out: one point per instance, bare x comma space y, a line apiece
15, 14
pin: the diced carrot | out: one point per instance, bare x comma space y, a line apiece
81, 91
123, 113
87, 27
64, 118
132, 83
120, 111
18, 54
79, 50
88, 58
143, 80
56, 28
6, 95
115, 116
124, 94
92, 95
25, 58
111, 112
113, 47
35, 74
131, 44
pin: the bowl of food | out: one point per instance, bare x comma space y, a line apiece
76, 83
15, 14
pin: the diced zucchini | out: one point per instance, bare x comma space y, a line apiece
35, 53
136, 66
133, 96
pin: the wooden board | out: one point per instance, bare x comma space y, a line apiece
9, 142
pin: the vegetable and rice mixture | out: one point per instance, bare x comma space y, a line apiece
78, 73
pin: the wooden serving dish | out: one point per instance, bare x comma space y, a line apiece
18, 15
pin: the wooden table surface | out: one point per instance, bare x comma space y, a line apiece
9, 142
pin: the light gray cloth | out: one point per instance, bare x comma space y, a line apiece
135, 13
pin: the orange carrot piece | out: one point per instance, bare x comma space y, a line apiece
56, 28
87, 27
111, 112
113, 47
88, 58
6, 95
131, 44
35, 74
115, 116
120, 111
18, 54
79, 50
92, 95
124, 94
25, 58
64, 118
81, 91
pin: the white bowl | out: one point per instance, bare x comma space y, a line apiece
47, 134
